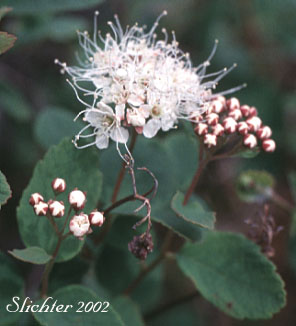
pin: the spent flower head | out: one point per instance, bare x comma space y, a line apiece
131, 79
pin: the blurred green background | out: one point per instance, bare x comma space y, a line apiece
37, 106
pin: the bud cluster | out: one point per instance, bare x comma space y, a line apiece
226, 117
80, 223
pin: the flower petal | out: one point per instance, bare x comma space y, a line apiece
102, 141
151, 128
119, 135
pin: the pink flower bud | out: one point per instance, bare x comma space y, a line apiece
56, 208
242, 128
229, 125
218, 106
268, 145
233, 104
264, 132
210, 140
79, 225
201, 129
254, 123
212, 119
96, 218
77, 199
41, 208
221, 99
218, 130
245, 110
253, 112
35, 199
250, 141
235, 114
58, 185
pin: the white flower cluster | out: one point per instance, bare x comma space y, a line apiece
135, 80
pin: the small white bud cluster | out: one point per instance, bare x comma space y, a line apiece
226, 117
80, 224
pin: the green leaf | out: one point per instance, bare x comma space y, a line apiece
4, 11
6, 41
11, 284
232, 273
53, 124
5, 191
128, 311
41, 6
173, 160
80, 169
193, 212
34, 255
254, 185
14, 103
72, 295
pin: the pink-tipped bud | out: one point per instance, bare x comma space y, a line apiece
58, 185
41, 208
235, 114
250, 141
233, 104
242, 128
229, 125
96, 218
254, 123
210, 140
218, 130
221, 99
253, 112
264, 132
77, 199
217, 106
56, 208
268, 145
201, 129
35, 199
212, 119
79, 225
245, 110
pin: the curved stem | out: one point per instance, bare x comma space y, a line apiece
122, 170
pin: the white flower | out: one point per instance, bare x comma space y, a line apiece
77, 199
96, 218
79, 225
150, 81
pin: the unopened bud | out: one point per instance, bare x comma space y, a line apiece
235, 114
96, 218
35, 199
218, 130
210, 140
58, 185
253, 112
201, 129
79, 225
77, 199
250, 141
254, 123
41, 208
242, 128
56, 208
264, 132
218, 106
212, 119
229, 125
233, 104
245, 110
268, 145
